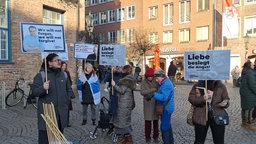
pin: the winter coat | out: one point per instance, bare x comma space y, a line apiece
165, 93
126, 103
59, 94
89, 92
148, 106
248, 89
172, 70
220, 93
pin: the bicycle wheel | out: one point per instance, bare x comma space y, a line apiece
14, 97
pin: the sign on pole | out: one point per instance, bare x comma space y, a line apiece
112, 54
36, 38
86, 51
207, 65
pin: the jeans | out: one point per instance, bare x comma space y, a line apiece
168, 136
247, 115
93, 110
172, 78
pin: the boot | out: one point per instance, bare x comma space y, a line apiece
129, 139
122, 140
84, 122
254, 120
244, 123
251, 127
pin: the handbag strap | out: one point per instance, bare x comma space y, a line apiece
169, 98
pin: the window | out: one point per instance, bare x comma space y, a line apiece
102, 37
167, 36
236, 2
93, 2
153, 12
120, 14
87, 3
250, 1
202, 33
95, 18
130, 12
250, 25
112, 37
120, 36
52, 17
168, 14
130, 35
102, 17
102, 1
184, 35
5, 49
202, 5
111, 16
153, 38
184, 11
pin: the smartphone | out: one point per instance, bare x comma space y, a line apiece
202, 90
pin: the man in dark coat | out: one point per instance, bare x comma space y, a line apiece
56, 90
172, 72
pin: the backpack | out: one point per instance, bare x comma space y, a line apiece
43, 75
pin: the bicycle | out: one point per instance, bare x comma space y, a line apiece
17, 95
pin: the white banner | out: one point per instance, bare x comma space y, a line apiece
112, 55
86, 51
37, 38
207, 65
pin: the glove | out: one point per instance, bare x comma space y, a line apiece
149, 96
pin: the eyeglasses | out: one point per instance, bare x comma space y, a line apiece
56, 60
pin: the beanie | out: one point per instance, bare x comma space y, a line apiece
149, 72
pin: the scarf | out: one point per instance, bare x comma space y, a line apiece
94, 86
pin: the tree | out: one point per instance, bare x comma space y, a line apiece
140, 45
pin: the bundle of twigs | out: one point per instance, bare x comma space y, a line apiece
53, 133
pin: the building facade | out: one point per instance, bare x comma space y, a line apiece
13, 62
175, 25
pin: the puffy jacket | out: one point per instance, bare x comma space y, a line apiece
165, 92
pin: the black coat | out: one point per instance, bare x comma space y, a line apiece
59, 94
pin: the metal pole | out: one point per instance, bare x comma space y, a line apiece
3, 95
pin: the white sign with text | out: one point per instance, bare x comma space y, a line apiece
207, 65
112, 54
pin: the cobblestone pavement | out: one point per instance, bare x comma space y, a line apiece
19, 126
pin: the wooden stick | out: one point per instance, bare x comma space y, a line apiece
112, 75
45, 69
206, 105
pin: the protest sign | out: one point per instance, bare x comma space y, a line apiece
207, 65
62, 55
112, 54
36, 38
86, 51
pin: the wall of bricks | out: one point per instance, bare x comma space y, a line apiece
27, 65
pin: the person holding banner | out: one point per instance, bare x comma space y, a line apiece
126, 103
31, 42
218, 98
165, 96
248, 94
88, 87
59, 93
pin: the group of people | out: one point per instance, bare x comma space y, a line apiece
156, 87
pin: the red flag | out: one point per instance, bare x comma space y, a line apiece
229, 19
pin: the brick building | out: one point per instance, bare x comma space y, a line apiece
69, 13
176, 25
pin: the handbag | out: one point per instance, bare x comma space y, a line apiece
221, 119
190, 115
158, 108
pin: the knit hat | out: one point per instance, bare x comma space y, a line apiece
149, 72
159, 73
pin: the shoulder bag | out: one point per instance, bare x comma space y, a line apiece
190, 115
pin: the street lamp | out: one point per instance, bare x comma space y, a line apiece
246, 41
89, 25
